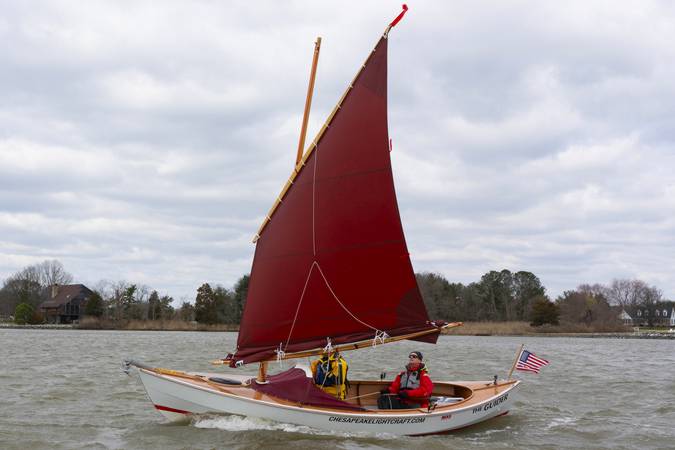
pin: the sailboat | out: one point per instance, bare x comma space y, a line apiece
331, 272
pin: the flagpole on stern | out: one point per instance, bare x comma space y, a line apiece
515, 361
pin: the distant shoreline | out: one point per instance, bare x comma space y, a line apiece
133, 325
478, 329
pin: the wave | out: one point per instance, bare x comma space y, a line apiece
240, 423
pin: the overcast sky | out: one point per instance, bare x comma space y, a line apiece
145, 141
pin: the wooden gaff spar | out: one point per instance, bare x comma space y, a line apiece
308, 100
331, 272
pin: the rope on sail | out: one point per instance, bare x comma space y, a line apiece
281, 355
329, 346
297, 310
380, 336
341, 304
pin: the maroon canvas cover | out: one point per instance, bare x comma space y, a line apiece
333, 261
294, 385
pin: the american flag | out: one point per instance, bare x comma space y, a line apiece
529, 362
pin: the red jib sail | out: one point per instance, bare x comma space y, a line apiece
331, 265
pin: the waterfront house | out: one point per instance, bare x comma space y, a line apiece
66, 303
625, 318
661, 314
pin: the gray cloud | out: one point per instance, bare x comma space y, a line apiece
147, 142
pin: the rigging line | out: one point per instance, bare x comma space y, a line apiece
340, 303
381, 337
378, 334
280, 355
297, 310
329, 346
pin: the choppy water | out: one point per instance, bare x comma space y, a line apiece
65, 389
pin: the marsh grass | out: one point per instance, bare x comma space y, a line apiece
468, 329
93, 323
524, 329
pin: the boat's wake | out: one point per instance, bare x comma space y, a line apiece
240, 423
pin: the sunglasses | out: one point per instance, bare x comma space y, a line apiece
413, 357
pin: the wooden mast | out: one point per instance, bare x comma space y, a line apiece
262, 368
262, 373
308, 100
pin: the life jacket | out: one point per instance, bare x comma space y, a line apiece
330, 374
411, 379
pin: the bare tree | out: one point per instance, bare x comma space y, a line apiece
118, 292
29, 274
104, 289
51, 272
595, 290
620, 293
583, 306
17, 290
626, 292
645, 294
29, 284
142, 296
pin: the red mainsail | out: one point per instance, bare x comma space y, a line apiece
331, 264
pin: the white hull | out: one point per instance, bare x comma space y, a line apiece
177, 397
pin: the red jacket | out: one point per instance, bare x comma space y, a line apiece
421, 394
